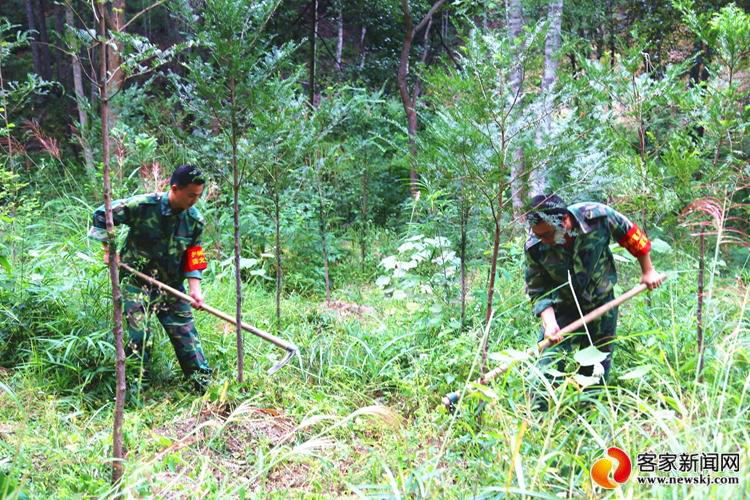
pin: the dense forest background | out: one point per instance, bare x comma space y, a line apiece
369, 167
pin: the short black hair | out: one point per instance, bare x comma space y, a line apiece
545, 208
186, 174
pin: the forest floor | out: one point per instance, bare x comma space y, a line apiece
360, 413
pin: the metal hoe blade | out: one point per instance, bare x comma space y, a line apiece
281, 364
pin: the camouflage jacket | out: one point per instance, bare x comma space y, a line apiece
158, 238
589, 259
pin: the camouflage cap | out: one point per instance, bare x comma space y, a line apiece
545, 208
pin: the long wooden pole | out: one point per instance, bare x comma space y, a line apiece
450, 400
219, 314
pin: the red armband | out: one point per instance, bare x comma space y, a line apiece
195, 259
636, 242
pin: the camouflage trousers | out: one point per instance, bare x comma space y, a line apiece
175, 315
602, 332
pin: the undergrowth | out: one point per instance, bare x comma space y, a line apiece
359, 412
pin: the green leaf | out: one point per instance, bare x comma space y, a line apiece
389, 262
85, 257
382, 281
246, 263
585, 381
636, 372
554, 372
660, 246
508, 355
623, 258
590, 356
5, 263
484, 392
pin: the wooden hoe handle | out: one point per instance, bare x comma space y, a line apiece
450, 400
292, 349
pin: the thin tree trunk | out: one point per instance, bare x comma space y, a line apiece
4, 106
514, 9
493, 271
411, 115
538, 176
496, 214
362, 51
312, 55
364, 214
118, 21
277, 217
340, 36
321, 215
117, 450
236, 208
83, 118
44, 40
641, 150
36, 55
59, 55
462, 250
699, 313
116, 77
409, 101
610, 16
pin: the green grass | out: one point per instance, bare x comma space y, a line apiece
359, 413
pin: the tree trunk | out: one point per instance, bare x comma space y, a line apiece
364, 215
59, 55
340, 36
322, 220
114, 276
699, 313
464, 215
496, 214
641, 150
44, 40
493, 271
312, 55
403, 71
611, 19
116, 78
514, 11
83, 118
408, 100
277, 217
113, 52
36, 54
538, 176
236, 208
362, 50
4, 110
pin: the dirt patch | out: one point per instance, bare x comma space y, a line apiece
261, 448
7, 430
288, 475
229, 440
262, 424
346, 309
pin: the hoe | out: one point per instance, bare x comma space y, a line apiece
451, 400
290, 348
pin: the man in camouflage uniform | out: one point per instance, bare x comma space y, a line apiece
572, 243
164, 241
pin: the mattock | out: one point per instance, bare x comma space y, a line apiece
450, 400
290, 348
